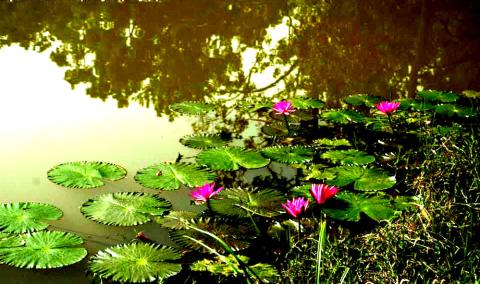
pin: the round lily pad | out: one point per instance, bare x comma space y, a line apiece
44, 249
170, 176
362, 99
136, 263
191, 108
307, 103
343, 116
289, 154
25, 217
438, 96
85, 174
350, 156
125, 208
231, 158
203, 141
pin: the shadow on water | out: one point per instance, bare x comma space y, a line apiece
145, 56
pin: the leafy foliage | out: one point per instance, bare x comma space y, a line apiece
343, 116
240, 202
348, 157
438, 96
136, 262
362, 99
288, 154
191, 108
231, 158
45, 249
223, 265
415, 104
170, 176
203, 141
307, 103
85, 174
454, 110
332, 143
365, 179
25, 217
353, 204
124, 208
177, 219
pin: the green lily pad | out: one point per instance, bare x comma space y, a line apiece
454, 110
275, 129
307, 103
136, 262
191, 108
240, 202
44, 249
349, 157
365, 179
331, 143
25, 217
170, 176
203, 141
438, 96
361, 100
343, 116
124, 208
177, 219
471, 94
85, 174
415, 105
229, 266
231, 158
353, 204
289, 154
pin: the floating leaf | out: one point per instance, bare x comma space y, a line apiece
237, 235
307, 103
348, 157
44, 249
170, 176
203, 141
351, 206
452, 110
85, 174
372, 179
362, 99
239, 202
252, 106
191, 108
136, 262
177, 219
303, 191
325, 142
471, 94
229, 266
438, 96
288, 154
415, 104
124, 208
343, 116
25, 217
275, 129
231, 158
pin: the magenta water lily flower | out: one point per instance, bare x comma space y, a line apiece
203, 193
295, 206
323, 192
387, 107
283, 107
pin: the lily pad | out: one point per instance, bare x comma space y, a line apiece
191, 108
361, 100
170, 176
25, 217
349, 157
44, 249
471, 94
454, 110
331, 143
438, 96
343, 116
231, 158
85, 174
242, 202
124, 208
203, 141
307, 103
177, 219
136, 262
289, 154
415, 104
229, 266
351, 206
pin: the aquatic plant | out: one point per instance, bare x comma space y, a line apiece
296, 206
387, 107
323, 192
202, 194
283, 107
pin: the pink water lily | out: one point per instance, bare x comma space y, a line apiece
387, 107
283, 107
203, 193
323, 192
295, 206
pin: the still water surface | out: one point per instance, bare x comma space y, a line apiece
93, 80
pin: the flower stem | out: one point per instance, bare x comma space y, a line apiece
209, 206
322, 233
390, 121
286, 123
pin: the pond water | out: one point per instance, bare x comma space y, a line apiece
93, 80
